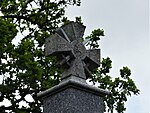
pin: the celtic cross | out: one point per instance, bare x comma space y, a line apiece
66, 44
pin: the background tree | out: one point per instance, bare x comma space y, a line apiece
25, 69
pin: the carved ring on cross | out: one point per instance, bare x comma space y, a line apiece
71, 53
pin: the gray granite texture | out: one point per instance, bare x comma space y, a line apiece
72, 100
73, 96
70, 51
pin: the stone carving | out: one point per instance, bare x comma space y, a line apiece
71, 53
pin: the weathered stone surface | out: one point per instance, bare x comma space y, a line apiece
74, 82
71, 96
71, 53
55, 44
73, 101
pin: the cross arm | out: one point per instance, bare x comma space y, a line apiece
92, 59
56, 45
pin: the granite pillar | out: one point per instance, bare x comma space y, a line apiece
73, 94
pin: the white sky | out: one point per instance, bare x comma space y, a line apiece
126, 41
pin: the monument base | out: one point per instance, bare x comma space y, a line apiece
73, 97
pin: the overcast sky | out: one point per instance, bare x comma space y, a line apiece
126, 41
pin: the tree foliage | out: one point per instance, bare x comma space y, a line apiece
25, 70
120, 87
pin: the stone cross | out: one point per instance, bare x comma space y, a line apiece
66, 44
73, 94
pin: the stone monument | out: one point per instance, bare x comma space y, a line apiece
73, 94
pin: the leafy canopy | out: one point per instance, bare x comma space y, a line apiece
25, 70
